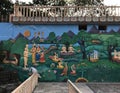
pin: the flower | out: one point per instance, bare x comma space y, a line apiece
55, 71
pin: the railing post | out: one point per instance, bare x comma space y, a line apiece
28, 85
72, 88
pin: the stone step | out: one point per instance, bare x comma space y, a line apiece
83, 88
52, 87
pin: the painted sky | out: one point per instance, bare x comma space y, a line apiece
107, 2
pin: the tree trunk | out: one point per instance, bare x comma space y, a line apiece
110, 49
82, 45
67, 45
8, 55
18, 57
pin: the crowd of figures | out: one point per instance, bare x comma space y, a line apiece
37, 54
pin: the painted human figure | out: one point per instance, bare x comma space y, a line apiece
115, 54
64, 50
26, 47
55, 57
119, 55
42, 48
38, 50
33, 51
25, 57
65, 70
42, 57
95, 54
71, 49
60, 65
73, 69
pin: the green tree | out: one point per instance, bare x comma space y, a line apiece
74, 39
6, 46
88, 2
83, 40
52, 37
111, 45
6, 7
65, 38
41, 2
51, 2
18, 47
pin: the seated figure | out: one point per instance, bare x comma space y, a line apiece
71, 49
64, 50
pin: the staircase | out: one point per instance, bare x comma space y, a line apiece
51, 87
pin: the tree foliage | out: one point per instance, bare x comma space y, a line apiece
83, 39
65, 38
64, 2
88, 2
18, 46
7, 45
52, 2
41, 2
6, 7
52, 37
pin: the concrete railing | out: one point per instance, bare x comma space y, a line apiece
64, 14
28, 85
72, 88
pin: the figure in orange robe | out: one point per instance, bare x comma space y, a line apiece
42, 57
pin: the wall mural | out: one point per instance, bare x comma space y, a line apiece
82, 56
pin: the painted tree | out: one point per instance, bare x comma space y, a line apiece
74, 39
17, 48
83, 39
51, 38
7, 47
65, 39
111, 45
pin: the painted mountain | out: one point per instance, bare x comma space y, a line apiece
70, 34
93, 30
21, 36
118, 31
111, 31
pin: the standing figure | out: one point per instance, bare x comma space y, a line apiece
38, 50
115, 54
42, 48
42, 57
95, 54
26, 47
25, 57
119, 55
73, 69
33, 51
65, 70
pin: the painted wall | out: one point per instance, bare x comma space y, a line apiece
94, 55
8, 30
